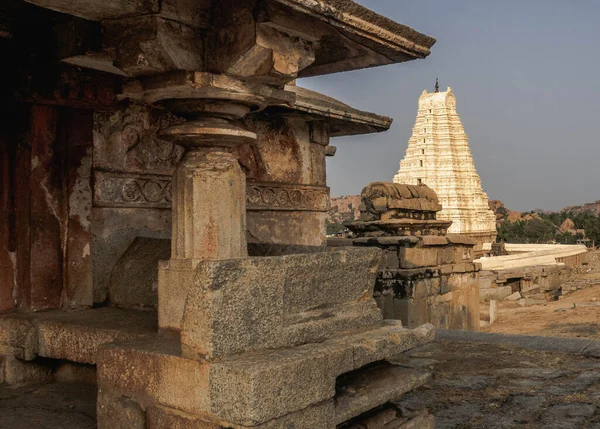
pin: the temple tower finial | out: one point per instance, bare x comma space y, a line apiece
437, 85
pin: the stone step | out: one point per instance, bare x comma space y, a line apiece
367, 388
246, 389
390, 418
74, 336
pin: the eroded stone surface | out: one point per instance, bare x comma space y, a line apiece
75, 336
310, 297
506, 387
134, 280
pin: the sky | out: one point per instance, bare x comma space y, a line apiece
526, 75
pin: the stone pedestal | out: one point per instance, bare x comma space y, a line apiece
426, 275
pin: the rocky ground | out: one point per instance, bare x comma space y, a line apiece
499, 387
49, 406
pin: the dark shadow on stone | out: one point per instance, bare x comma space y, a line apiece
134, 280
269, 249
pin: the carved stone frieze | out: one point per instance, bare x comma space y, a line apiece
276, 196
132, 190
120, 189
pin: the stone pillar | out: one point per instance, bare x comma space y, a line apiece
208, 197
209, 192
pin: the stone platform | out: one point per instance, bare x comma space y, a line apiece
74, 336
47, 337
500, 386
320, 355
247, 389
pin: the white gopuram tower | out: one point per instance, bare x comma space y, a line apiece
438, 156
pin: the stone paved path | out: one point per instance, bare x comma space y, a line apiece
499, 387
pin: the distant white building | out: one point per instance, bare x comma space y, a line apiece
438, 156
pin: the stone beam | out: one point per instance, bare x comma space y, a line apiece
247, 45
79, 43
65, 86
98, 10
151, 45
268, 41
192, 12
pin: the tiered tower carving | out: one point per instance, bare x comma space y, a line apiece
438, 156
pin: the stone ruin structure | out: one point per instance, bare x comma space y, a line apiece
530, 274
426, 275
137, 131
438, 156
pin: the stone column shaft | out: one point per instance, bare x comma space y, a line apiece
209, 207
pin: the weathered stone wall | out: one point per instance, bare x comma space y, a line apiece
8, 239
61, 240
288, 197
428, 280
46, 200
572, 261
132, 191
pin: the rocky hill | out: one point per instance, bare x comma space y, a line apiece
504, 214
584, 208
342, 209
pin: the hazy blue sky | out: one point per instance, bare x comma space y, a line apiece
526, 75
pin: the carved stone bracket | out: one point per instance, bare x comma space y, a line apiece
119, 189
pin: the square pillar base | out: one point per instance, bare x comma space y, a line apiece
175, 278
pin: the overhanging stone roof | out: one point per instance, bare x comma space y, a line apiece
385, 40
348, 36
343, 120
